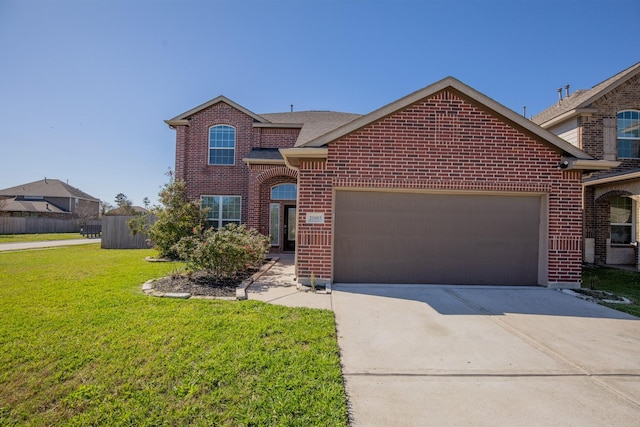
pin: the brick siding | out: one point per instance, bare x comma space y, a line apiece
192, 154
624, 97
445, 143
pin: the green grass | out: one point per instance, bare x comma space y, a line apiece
621, 282
82, 345
19, 238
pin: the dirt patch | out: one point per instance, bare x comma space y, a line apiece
201, 284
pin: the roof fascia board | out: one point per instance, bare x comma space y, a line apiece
263, 161
610, 179
466, 91
216, 100
576, 112
589, 164
293, 156
174, 123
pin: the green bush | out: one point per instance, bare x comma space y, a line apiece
225, 252
176, 218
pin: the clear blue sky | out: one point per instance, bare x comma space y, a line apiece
86, 84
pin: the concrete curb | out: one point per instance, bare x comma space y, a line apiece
241, 291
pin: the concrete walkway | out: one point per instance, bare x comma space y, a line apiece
50, 244
278, 286
422, 355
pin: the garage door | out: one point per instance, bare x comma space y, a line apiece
386, 237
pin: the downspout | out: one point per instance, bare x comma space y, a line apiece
295, 253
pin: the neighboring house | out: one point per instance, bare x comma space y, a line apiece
442, 186
48, 198
604, 121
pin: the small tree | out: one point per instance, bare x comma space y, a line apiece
176, 217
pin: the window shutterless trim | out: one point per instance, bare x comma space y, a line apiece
218, 222
222, 145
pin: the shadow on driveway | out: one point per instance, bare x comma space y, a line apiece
489, 300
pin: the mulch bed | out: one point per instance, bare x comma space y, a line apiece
201, 284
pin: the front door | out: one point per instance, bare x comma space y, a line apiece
289, 228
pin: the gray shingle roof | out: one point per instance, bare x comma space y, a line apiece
46, 188
315, 123
265, 154
584, 98
41, 206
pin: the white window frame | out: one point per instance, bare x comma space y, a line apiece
218, 222
274, 220
634, 140
284, 198
209, 151
631, 225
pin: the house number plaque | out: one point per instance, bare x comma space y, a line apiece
315, 218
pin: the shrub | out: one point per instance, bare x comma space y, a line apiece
225, 252
175, 218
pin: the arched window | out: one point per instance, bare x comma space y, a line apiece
284, 192
629, 134
222, 145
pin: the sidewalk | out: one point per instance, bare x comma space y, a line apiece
50, 244
278, 286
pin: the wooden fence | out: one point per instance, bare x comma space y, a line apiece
117, 235
27, 225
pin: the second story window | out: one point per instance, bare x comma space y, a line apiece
629, 134
222, 145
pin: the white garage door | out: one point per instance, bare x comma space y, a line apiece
387, 237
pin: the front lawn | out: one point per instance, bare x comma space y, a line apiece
20, 238
623, 283
82, 345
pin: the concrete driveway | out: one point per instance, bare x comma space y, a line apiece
454, 355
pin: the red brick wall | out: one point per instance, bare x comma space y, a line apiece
444, 143
625, 97
192, 153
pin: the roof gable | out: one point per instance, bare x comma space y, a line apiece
503, 113
178, 120
584, 98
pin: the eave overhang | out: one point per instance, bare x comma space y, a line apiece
588, 164
173, 123
248, 161
293, 157
576, 112
611, 179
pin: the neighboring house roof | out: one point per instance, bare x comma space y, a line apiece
450, 83
47, 188
582, 99
39, 206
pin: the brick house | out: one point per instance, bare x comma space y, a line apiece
442, 186
604, 121
48, 198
